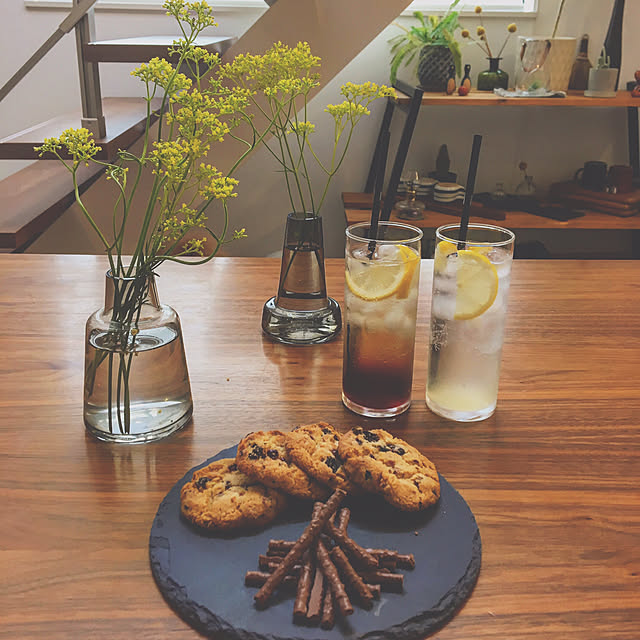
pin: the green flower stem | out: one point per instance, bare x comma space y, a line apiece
286, 152
110, 391
88, 216
118, 394
335, 167
302, 143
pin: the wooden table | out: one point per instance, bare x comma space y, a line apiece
552, 477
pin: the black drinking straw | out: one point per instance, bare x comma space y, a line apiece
380, 167
468, 194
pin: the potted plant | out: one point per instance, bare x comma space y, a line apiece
433, 40
602, 79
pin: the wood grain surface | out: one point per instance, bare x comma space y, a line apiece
514, 220
487, 99
552, 477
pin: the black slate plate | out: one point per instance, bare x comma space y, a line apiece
202, 576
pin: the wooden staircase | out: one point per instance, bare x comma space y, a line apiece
34, 197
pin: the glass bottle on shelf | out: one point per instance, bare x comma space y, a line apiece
410, 208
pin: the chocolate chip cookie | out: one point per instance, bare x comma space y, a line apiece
221, 497
381, 463
263, 456
314, 448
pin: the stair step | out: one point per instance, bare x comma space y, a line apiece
143, 48
125, 120
35, 197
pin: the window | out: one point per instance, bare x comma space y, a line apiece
488, 6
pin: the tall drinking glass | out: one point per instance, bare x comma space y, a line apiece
468, 313
381, 300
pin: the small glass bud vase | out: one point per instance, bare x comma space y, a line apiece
493, 77
302, 313
136, 384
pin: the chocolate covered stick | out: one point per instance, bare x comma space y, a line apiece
314, 609
343, 519
375, 591
328, 610
258, 578
279, 547
270, 564
366, 560
401, 560
388, 581
304, 587
333, 581
309, 535
351, 578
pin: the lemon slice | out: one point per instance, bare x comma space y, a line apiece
476, 285
379, 279
443, 249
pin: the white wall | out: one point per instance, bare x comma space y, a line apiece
554, 142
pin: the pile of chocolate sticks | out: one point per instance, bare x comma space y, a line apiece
327, 568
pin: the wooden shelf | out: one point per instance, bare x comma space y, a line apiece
125, 120
513, 219
485, 98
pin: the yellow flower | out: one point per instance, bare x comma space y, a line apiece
302, 128
213, 184
79, 144
480, 30
512, 28
478, 9
465, 33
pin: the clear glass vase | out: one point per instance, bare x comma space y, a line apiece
302, 313
136, 383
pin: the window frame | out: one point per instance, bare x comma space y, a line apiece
506, 8
491, 7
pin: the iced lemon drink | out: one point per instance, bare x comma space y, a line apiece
381, 299
468, 313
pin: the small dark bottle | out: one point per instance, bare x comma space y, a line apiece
579, 79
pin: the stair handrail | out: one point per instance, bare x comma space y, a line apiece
77, 18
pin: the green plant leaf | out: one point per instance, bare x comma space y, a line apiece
409, 50
454, 47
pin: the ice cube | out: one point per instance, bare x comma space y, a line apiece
444, 304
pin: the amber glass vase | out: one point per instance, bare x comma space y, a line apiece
136, 384
302, 313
